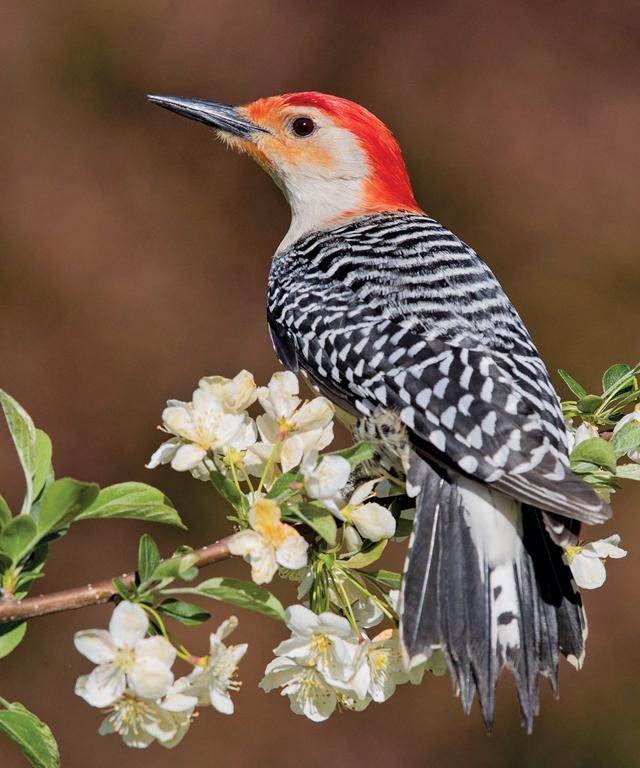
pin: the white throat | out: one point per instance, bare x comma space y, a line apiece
320, 193
316, 204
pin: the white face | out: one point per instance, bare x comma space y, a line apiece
320, 166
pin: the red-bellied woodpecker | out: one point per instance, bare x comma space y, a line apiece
403, 326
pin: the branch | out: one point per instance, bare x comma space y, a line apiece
92, 594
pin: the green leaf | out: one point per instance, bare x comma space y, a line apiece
62, 502
175, 567
5, 512
185, 613
282, 485
148, 557
628, 471
389, 579
589, 404
11, 635
18, 537
584, 467
614, 376
31, 735
597, 451
42, 469
626, 439
23, 434
122, 589
578, 390
318, 518
356, 454
366, 556
134, 501
244, 594
227, 489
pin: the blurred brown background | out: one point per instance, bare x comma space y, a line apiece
133, 258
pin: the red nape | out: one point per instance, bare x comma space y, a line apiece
389, 188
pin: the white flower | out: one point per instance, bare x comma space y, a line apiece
125, 658
140, 721
212, 680
201, 426
237, 394
269, 543
308, 691
372, 520
325, 480
630, 417
325, 641
587, 561
295, 426
384, 665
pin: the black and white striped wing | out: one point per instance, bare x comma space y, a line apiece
460, 404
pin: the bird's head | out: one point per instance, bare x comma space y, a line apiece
332, 158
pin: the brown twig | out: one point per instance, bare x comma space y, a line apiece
92, 594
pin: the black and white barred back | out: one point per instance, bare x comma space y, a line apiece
392, 312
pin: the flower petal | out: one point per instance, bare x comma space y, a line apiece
128, 624
150, 678
588, 572
157, 648
103, 686
187, 457
374, 522
292, 553
96, 645
164, 454
301, 620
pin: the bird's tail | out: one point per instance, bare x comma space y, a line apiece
485, 583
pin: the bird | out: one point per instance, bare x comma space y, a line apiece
408, 332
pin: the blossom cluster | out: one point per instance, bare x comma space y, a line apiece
325, 665
134, 680
308, 516
215, 433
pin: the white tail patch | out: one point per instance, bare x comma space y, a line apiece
495, 525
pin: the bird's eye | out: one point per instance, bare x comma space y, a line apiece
303, 126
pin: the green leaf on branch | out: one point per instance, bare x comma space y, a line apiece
282, 486
244, 594
596, 451
356, 454
185, 613
615, 376
180, 567
148, 557
5, 512
626, 439
317, 518
628, 472
589, 404
23, 434
366, 556
31, 735
578, 390
133, 501
227, 489
42, 469
584, 467
11, 635
18, 537
389, 579
64, 501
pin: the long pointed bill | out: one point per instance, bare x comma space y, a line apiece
215, 114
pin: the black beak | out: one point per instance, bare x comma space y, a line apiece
215, 114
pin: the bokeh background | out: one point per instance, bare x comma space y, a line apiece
133, 258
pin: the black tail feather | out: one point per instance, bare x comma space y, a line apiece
452, 600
